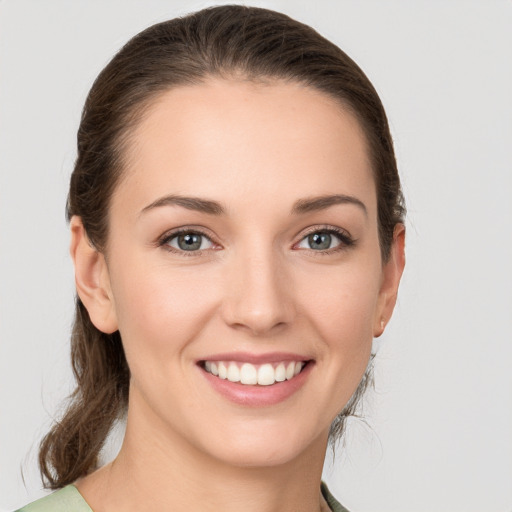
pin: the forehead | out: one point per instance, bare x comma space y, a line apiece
232, 139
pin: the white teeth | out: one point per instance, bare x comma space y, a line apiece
223, 371
233, 373
249, 374
290, 370
266, 375
280, 372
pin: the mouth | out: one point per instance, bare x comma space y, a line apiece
249, 374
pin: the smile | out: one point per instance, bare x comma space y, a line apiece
254, 374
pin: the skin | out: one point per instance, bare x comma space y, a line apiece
257, 287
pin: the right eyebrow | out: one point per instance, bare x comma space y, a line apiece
191, 203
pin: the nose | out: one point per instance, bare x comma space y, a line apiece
258, 298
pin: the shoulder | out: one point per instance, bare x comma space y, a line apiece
67, 499
333, 503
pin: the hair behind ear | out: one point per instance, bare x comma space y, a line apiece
71, 448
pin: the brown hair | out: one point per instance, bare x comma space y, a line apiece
225, 41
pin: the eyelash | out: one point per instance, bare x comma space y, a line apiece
346, 241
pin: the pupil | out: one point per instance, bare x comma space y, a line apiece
320, 241
189, 242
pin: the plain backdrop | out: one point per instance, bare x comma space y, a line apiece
438, 435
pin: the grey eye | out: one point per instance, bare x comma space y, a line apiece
190, 242
321, 241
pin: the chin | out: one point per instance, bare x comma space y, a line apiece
268, 447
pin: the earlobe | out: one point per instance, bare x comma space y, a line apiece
391, 275
92, 279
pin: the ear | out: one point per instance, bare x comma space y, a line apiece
391, 273
92, 279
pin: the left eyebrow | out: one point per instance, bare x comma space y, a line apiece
322, 202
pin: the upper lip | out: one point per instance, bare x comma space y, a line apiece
246, 357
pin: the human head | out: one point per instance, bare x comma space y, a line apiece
254, 43
230, 41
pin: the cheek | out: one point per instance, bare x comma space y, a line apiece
341, 308
344, 321
160, 310
343, 301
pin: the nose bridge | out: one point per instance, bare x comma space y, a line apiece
258, 298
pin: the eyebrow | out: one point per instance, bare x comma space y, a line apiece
211, 207
190, 203
314, 204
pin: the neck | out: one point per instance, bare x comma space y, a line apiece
158, 469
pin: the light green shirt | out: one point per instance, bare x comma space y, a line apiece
68, 499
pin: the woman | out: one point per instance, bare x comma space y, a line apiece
237, 233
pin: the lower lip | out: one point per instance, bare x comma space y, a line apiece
258, 396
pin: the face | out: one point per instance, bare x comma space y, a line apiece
243, 242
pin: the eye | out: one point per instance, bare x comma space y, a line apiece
190, 241
325, 240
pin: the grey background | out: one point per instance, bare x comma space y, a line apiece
440, 422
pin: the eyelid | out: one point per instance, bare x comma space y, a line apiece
326, 227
